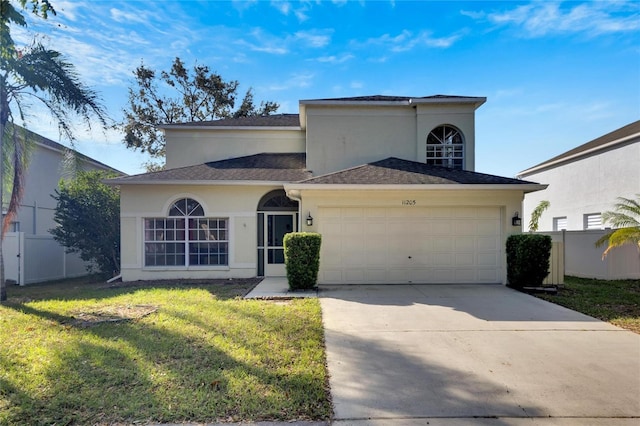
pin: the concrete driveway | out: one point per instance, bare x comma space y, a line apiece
474, 354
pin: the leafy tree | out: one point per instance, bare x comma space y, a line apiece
88, 219
201, 95
536, 214
27, 74
626, 219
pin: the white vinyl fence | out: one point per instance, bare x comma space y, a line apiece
30, 259
583, 259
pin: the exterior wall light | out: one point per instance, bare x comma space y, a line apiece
516, 220
309, 219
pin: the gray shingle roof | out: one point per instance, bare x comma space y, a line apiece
394, 171
622, 132
386, 98
271, 167
275, 120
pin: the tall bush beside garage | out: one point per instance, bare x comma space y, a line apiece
302, 259
528, 259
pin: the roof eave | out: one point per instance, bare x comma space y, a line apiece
257, 128
563, 160
197, 182
526, 188
476, 101
325, 102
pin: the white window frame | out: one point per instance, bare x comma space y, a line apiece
189, 234
593, 221
442, 148
558, 222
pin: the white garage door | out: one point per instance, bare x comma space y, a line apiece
410, 245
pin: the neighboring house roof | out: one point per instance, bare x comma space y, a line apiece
274, 120
620, 136
267, 167
395, 171
48, 143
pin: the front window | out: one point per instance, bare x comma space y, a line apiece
445, 147
186, 237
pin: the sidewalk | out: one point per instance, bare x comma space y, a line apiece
277, 288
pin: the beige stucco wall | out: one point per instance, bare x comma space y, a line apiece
339, 137
508, 201
188, 147
585, 186
343, 137
237, 203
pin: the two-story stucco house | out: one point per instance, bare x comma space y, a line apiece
389, 182
585, 181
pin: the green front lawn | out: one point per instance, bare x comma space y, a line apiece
617, 302
78, 352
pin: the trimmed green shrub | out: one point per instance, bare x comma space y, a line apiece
528, 259
302, 259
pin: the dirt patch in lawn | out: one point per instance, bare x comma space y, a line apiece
110, 314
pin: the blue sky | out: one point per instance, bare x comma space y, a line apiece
555, 74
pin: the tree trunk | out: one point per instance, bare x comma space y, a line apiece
4, 119
3, 123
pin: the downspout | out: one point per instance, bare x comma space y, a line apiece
296, 196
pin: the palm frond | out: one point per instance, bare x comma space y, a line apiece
626, 221
55, 82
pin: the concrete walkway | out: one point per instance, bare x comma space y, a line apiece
474, 355
277, 288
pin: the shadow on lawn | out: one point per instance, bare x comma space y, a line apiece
92, 287
171, 366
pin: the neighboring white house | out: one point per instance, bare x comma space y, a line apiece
30, 252
389, 182
584, 182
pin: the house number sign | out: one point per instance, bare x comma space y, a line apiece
408, 202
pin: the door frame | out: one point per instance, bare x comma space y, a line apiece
273, 269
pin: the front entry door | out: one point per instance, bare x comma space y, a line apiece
276, 226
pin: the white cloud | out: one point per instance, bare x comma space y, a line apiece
544, 18
356, 85
335, 59
317, 38
406, 41
296, 81
283, 7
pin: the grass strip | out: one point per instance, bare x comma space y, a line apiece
617, 302
78, 352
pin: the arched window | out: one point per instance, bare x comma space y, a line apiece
277, 200
445, 147
185, 237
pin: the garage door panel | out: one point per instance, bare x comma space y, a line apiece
487, 259
399, 275
441, 227
465, 244
487, 276
375, 275
464, 228
464, 275
465, 259
355, 275
443, 243
400, 245
487, 227
487, 243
